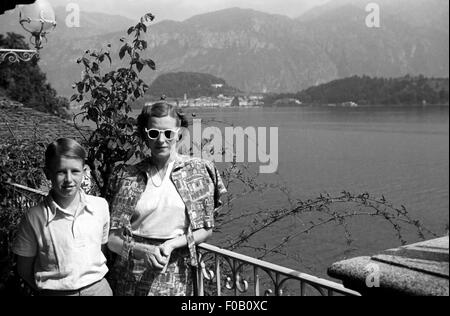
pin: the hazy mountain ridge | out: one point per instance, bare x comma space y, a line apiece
255, 51
395, 49
412, 12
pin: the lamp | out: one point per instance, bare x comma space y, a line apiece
38, 19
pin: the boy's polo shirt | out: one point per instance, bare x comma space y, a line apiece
67, 247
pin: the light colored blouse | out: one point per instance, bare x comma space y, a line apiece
160, 212
197, 181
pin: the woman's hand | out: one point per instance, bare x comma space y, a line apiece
151, 254
166, 249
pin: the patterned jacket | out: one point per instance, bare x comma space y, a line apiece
197, 181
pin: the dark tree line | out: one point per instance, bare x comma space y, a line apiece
194, 85
26, 83
374, 91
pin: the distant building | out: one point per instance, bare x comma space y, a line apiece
350, 104
235, 102
287, 101
217, 85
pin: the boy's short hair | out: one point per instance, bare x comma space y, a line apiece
64, 147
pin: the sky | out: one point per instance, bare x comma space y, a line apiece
180, 10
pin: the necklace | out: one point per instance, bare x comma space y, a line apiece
161, 175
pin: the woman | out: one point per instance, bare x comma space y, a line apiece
164, 206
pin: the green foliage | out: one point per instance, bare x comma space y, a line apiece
106, 99
26, 83
194, 85
21, 163
374, 91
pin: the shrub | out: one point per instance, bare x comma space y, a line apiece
21, 163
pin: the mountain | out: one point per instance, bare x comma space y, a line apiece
260, 52
252, 51
419, 13
191, 84
412, 39
395, 49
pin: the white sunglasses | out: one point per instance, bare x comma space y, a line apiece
169, 134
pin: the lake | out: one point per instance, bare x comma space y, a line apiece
401, 153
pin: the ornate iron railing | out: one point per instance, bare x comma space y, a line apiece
16, 55
227, 273
223, 272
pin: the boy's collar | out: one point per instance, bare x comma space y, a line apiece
53, 207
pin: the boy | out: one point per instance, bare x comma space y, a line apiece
59, 242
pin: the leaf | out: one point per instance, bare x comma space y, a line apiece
130, 30
85, 61
74, 97
137, 93
80, 87
122, 51
139, 66
149, 17
151, 64
95, 68
109, 57
93, 114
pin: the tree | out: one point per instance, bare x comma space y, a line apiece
26, 83
106, 99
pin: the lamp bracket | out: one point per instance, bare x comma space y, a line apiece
17, 55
